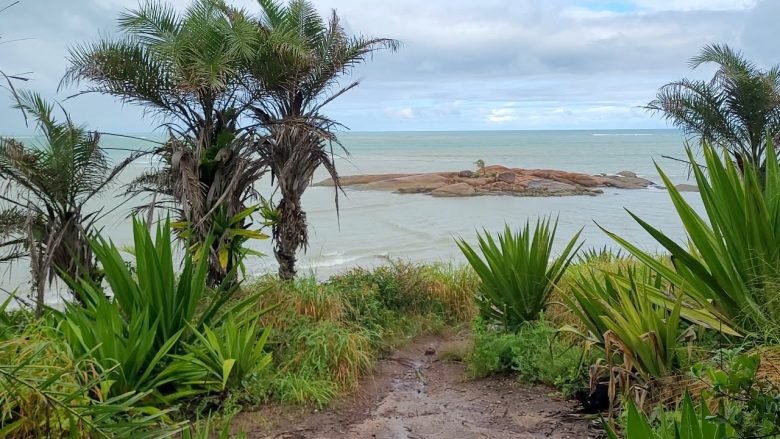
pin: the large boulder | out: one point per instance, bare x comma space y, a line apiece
465, 174
627, 182
454, 190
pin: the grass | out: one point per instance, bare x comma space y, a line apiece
328, 335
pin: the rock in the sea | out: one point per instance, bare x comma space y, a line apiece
411, 183
495, 180
506, 177
627, 182
454, 190
687, 187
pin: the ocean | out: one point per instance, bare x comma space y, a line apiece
372, 227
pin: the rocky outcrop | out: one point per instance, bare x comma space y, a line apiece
495, 180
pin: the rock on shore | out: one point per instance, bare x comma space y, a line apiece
495, 180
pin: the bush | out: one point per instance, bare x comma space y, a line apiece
44, 392
518, 273
225, 358
732, 264
152, 313
535, 353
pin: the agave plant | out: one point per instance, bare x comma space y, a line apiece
518, 272
739, 108
48, 393
47, 184
731, 265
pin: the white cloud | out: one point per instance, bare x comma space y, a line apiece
502, 115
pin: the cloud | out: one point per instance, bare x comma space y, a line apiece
501, 115
461, 61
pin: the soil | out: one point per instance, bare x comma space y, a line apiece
414, 394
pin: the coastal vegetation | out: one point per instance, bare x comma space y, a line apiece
681, 344
739, 109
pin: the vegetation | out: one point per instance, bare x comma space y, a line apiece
163, 333
316, 54
738, 109
187, 69
47, 185
517, 273
730, 267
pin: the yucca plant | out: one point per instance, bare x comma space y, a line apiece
518, 271
693, 424
731, 265
224, 358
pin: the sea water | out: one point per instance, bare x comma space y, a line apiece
372, 227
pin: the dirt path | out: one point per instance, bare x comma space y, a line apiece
416, 396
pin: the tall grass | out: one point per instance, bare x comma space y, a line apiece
518, 272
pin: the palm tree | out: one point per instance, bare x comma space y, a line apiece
187, 69
47, 184
299, 72
738, 109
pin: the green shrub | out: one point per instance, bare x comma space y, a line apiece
44, 392
750, 405
631, 316
518, 273
731, 266
223, 359
149, 317
535, 353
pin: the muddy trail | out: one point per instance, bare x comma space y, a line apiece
413, 394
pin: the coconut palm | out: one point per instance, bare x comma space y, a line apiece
738, 109
299, 70
187, 69
46, 186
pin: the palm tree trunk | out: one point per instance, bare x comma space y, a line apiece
289, 234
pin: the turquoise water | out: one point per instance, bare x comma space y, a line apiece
374, 226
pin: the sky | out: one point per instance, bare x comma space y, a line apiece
464, 65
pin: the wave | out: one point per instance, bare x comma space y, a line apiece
332, 262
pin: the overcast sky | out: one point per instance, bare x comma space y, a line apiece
465, 65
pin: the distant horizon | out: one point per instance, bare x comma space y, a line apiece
142, 133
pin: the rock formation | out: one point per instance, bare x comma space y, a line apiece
495, 180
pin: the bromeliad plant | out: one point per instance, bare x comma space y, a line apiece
731, 266
224, 358
152, 312
631, 319
518, 272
